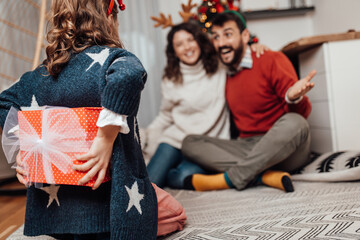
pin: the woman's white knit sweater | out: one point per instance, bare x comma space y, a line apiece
197, 106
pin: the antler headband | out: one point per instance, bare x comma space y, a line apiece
111, 6
167, 22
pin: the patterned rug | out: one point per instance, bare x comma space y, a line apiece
313, 211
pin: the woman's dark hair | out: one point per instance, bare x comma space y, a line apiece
208, 52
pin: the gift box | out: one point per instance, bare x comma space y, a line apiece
50, 139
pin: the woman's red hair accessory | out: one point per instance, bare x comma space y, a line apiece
111, 6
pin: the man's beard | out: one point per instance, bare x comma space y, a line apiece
237, 55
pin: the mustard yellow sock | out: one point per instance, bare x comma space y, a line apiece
203, 182
278, 179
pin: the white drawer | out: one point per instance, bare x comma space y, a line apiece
344, 56
319, 92
319, 116
312, 59
321, 140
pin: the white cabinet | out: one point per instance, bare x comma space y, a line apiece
335, 116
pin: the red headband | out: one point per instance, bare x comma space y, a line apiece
111, 6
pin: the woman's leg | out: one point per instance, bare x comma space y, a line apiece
177, 175
165, 158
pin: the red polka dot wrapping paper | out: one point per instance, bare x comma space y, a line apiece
50, 139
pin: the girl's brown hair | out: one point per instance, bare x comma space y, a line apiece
208, 52
76, 25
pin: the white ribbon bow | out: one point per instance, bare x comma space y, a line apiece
61, 133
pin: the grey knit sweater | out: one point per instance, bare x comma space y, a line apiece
197, 106
126, 206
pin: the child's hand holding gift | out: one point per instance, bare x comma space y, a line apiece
20, 171
98, 157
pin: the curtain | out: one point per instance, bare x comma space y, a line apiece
139, 36
19, 21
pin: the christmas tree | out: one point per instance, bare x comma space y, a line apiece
209, 8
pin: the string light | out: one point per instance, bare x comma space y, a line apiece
203, 18
209, 8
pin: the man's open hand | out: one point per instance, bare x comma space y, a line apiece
301, 87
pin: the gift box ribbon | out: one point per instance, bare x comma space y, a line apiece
61, 133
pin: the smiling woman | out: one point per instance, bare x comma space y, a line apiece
186, 47
183, 40
193, 101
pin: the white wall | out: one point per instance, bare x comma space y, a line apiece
330, 16
277, 32
335, 16
172, 7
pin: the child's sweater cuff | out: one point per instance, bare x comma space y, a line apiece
121, 102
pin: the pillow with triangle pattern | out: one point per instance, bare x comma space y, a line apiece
331, 167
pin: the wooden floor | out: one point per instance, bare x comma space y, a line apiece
12, 207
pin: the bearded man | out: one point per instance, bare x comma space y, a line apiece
269, 108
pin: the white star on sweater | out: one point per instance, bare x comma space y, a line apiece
120, 59
52, 190
135, 132
98, 57
134, 197
34, 105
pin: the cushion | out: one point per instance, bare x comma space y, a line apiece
171, 215
331, 167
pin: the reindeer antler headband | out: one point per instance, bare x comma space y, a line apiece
111, 6
167, 22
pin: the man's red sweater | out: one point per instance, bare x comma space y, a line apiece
256, 96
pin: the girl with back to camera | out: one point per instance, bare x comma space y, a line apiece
86, 66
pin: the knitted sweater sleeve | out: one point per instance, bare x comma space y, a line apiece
283, 76
125, 79
17, 95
